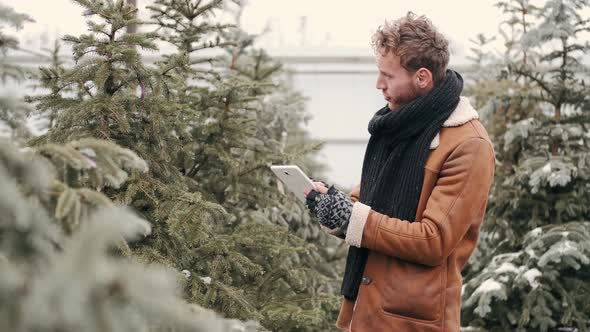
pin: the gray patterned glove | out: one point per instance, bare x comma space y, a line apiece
332, 209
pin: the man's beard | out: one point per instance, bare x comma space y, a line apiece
399, 101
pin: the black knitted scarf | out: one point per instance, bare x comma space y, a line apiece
393, 167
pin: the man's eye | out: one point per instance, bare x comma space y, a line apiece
386, 76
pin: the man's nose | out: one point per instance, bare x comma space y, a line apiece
380, 85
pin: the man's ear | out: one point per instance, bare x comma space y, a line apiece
424, 78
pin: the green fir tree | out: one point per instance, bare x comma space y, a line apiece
247, 118
13, 112
208, 126
58, 246
64, 251
532, 267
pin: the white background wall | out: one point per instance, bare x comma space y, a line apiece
342, 101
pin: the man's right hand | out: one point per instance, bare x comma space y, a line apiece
332, 207
321, 187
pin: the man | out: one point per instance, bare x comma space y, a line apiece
414, 219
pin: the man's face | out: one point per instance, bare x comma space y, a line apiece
398, 85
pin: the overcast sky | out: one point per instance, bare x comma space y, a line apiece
329, 25
349, 24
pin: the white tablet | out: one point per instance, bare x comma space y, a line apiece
294, 178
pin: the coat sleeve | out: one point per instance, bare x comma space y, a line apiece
458, 200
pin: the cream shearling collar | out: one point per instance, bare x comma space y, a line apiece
461, 115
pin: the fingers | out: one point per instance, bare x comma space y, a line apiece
315, 180
321, 187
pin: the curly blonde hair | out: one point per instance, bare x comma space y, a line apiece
417, 43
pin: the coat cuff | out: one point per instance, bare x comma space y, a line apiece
358, 218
